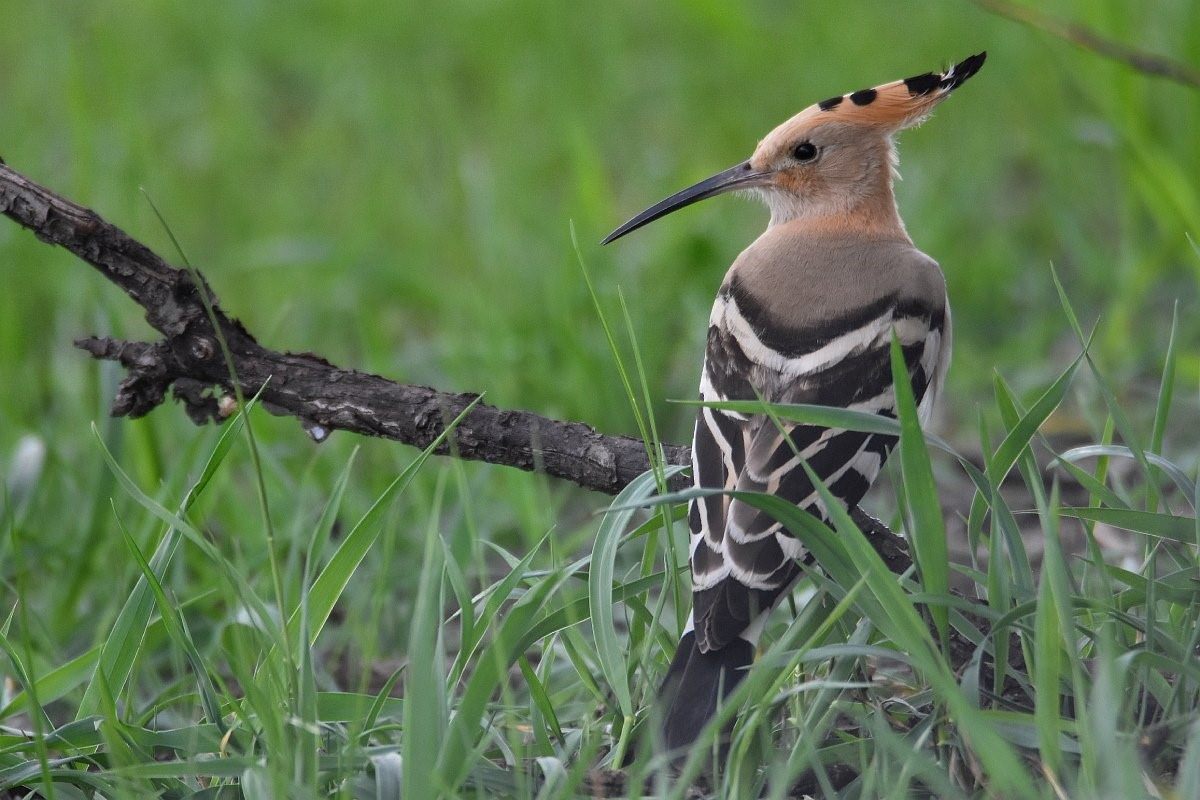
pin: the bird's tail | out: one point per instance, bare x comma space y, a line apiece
695, 686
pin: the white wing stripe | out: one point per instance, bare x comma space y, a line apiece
876, 332
937, 351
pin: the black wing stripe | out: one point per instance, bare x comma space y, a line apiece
852, 484
859, 377
802, 437
793, 341
838, 451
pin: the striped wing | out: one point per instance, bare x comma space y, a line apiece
742, 559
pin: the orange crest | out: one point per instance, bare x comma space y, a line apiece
891, 106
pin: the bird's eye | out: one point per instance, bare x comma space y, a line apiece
805, 151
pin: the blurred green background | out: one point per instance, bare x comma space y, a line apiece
393, 185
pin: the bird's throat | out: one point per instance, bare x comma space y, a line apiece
872, 214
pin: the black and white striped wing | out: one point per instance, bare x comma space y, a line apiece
742, 559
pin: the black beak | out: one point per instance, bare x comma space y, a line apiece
737, 177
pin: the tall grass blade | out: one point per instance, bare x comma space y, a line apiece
1158, 525
1166, 387
1019, 435
424, 707
1047, 675
926, 528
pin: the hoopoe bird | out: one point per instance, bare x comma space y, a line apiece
806, 314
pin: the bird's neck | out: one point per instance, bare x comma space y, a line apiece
872, 214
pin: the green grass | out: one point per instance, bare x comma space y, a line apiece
412, 191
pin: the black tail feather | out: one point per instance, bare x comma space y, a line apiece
695, 685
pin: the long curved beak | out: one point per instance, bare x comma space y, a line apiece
739, 176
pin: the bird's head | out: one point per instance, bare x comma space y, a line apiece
831, 156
